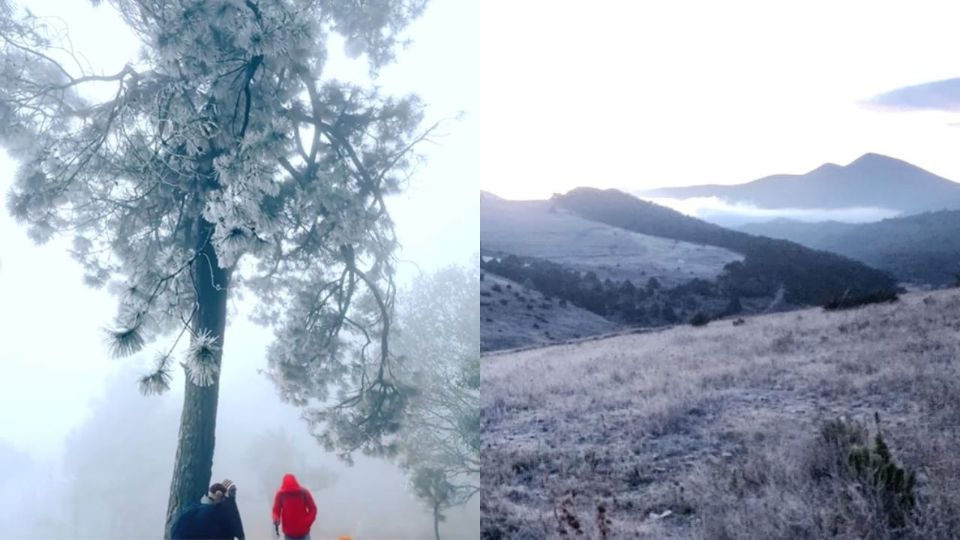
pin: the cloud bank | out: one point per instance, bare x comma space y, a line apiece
931, 96
718, 211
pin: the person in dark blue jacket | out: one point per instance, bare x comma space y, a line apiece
215, 518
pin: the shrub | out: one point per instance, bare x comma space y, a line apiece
603, 522
891, 485
842, 484
849, 301
567, 521
734, 307
699, 319
846, 455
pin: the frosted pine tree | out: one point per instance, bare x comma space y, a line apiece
222, 161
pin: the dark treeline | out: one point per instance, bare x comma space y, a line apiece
646, 304
922, 248
810, 277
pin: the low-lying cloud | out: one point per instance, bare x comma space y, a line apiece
729, 214
931, 96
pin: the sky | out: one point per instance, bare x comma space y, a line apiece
638, 95
55, 360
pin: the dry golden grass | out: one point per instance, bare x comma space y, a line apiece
653, 427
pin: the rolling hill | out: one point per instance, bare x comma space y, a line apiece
612, 261
542, 230
810, 277
870, 181
513, 316
922, 248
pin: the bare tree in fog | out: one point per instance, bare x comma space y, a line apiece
223, 143
439, 339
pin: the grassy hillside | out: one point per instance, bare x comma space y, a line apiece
538, 229
512, 316
723, 431
810, 276
923, 248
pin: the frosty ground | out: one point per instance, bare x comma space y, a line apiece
656, 428
538, 229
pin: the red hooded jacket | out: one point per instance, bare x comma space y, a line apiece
293, 508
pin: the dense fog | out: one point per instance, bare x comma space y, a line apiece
113, 478
83, 454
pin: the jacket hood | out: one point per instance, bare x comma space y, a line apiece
290, 483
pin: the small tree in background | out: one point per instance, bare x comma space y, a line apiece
439, 340
433, 487
220, 160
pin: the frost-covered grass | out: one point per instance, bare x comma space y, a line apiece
529, 228
709, 432
513, 316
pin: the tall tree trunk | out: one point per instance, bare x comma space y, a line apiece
436, 521
193, 465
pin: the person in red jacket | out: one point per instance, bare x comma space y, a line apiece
293, 510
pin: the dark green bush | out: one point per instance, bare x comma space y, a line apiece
700, 319
849, 301
871, 468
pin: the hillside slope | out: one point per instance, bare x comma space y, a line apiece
923, 248
512, 316
539, 229
872, 180
712, 432
811, 277
811, 234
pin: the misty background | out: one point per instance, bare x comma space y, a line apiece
84, 455
728, 213
687, 93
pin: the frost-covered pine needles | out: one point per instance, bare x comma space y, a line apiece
158, 381
201, 365
125, 342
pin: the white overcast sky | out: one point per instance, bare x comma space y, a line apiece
645, 94
52, 352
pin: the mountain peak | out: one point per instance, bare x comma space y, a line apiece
871, 158
825, 167
487, 196
870, 181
